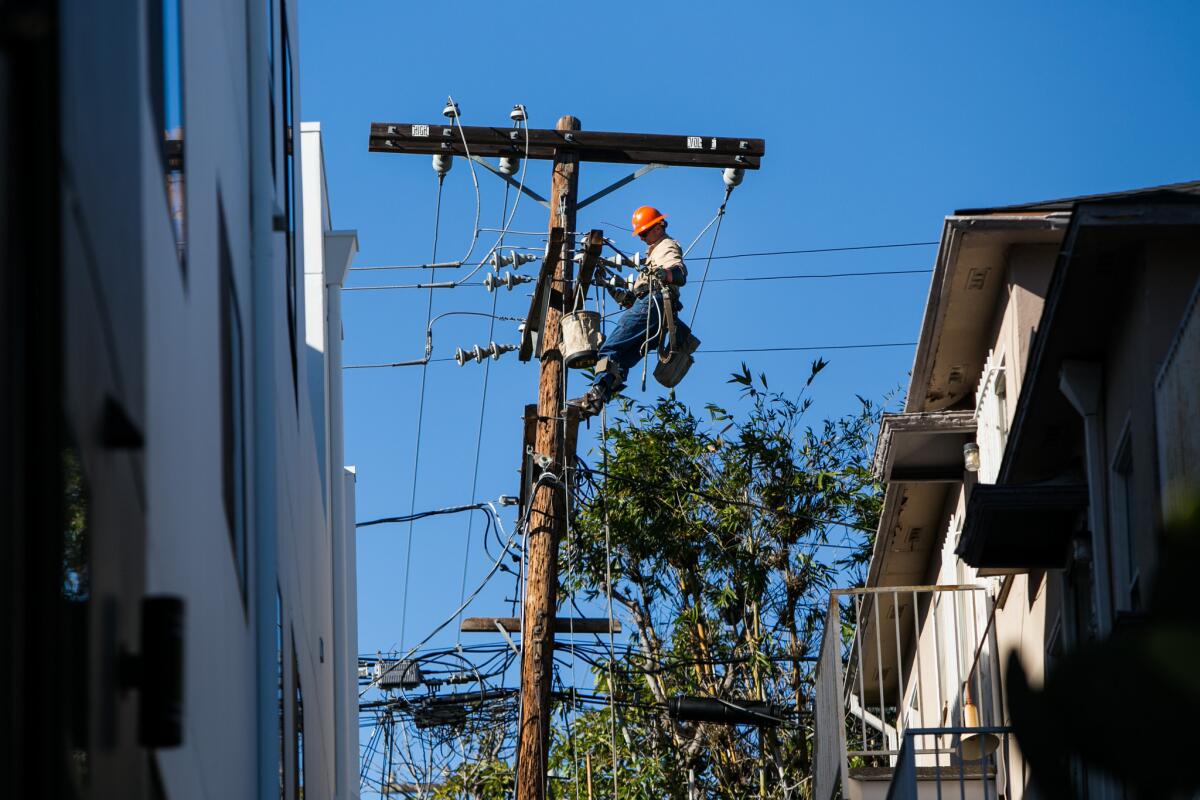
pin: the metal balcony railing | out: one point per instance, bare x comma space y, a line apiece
898, 658
975, 756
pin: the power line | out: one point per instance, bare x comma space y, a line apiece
809, 276
823, 275
825, 250
870, 345
807, 251
809, 348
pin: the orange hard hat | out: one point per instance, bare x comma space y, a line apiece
646, 218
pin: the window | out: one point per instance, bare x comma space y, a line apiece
297, 726
289, 202
1126, 574
233, 407
165, 31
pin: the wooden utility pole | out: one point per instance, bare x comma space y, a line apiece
548, 510
555, 428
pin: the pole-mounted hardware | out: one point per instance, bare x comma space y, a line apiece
478, 354
508, 280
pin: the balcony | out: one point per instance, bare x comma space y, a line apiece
908, 696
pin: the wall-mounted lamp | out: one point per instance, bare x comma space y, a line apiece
971, 456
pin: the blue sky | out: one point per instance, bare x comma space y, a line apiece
880, 119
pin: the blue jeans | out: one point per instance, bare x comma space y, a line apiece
624, 345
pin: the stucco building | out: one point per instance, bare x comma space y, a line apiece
1047, 432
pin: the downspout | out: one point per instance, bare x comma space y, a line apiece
340, 248
1082, 384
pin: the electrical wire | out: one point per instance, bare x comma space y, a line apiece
422, 515
457, 122
872, 345
759, 254
824, 250
487, 371
741, 278
873, 273
516, 202
437, 219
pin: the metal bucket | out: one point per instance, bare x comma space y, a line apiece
582, 336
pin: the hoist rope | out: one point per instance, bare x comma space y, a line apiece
412, 503
712, 246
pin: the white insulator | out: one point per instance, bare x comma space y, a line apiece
479, 354
733, 176
509, 165
490, 282
498, 350
518, 113
523, 258
461, 356
442, 162
451, 109
512, 279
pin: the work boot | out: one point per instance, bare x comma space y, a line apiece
590, 403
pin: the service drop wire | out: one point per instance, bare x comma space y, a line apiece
491, 572
412, 503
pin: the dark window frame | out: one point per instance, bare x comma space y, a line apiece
233, 410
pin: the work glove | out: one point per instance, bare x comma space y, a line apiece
651, 275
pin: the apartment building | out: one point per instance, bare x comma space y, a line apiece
1047, 432
179, 580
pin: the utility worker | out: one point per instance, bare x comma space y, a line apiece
640, 327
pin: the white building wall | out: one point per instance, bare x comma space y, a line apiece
118, 213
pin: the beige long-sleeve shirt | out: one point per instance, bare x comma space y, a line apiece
667, 255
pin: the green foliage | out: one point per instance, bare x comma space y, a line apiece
477, 780
710, 527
